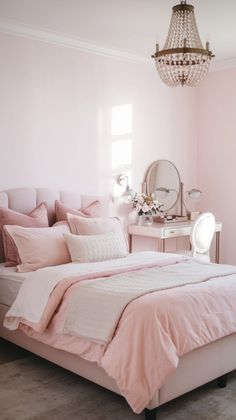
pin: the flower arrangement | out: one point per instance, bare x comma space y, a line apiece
145, 204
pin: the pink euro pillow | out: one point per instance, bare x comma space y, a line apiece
92, 210
40, 247
38, 217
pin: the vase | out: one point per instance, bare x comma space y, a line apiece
147, 219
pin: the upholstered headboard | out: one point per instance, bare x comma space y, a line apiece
24, 200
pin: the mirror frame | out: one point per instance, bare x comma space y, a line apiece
148, 174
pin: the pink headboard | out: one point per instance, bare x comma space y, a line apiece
24, 200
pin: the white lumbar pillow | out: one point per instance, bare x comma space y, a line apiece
92, 248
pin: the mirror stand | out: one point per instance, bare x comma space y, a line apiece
163, 182
172, 218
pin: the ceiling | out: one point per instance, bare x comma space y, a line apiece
130, 25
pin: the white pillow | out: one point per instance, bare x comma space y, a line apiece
92, 248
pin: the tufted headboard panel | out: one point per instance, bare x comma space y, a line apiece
24, 200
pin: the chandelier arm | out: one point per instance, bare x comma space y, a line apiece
184, 50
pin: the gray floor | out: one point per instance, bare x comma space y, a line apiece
33, 389
9, 352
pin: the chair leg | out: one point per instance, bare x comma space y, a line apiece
150, 414
222, 381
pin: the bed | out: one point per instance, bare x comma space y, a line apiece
195, 368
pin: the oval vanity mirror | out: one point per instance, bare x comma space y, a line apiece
163, 182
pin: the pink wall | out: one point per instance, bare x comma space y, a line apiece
216, 154
59, 128
56, 107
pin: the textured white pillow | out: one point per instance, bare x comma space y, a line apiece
92, 248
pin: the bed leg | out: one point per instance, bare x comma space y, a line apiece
150, 414
222, 381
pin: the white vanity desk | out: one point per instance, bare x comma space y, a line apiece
162, 231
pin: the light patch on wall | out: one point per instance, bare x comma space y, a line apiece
121, 120
121, 131
121, 154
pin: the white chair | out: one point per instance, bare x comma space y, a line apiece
201, 236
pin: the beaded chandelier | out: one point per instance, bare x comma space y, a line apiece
183, 60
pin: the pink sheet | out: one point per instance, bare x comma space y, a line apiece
153, 332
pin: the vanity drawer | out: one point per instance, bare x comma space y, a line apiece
172, 233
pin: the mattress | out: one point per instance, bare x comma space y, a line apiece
10, 283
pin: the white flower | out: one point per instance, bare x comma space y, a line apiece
145, 208
140, 200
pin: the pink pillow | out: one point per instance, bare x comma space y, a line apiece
93, 210
40, 247
98, 225
36, 218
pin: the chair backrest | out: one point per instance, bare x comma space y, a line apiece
202, 233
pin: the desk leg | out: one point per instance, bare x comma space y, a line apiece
217, 256
160, 245
130, 243
163, 243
